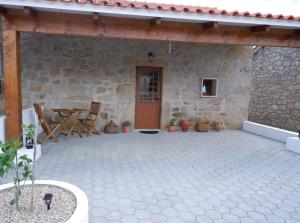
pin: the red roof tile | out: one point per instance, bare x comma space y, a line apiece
178, 8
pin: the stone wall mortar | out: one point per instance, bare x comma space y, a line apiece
275, 91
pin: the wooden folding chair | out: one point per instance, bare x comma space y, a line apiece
89, 123
49, 128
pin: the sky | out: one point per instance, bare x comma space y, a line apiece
286, 7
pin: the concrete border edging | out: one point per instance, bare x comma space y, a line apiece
277, 134
81, 214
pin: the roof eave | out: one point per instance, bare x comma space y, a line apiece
115, 11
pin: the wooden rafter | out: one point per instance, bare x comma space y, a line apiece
30, 11
3, 11
96, 16
155, 21
210, 25
263, 28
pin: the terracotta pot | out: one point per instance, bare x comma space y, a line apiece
202, 127
126, 129
184, 125
171, 128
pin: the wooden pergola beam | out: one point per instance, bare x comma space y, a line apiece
12, 83
72, 24
263, 28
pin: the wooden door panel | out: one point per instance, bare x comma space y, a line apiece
148, 98
147, 117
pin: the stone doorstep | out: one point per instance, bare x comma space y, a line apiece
293, 144
29, 152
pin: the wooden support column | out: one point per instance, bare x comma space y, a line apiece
12, 83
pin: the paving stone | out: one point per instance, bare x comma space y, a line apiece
129, 219
238, 212
248, 220
142, 214
170, 212
231, 218
113, 215
274, 219
159, 218
257, 216
138, 205
99, 212
186, 216
165, 204
98, 203
204, 219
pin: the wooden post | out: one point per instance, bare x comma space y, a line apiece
12, 83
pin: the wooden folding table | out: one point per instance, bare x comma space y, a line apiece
69, 120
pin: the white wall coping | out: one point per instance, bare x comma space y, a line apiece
81, 214
280, 135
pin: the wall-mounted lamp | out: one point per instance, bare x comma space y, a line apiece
48, 200
150, 56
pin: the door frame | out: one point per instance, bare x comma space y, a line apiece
160, 69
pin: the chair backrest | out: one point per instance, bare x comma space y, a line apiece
94, 109
41, 117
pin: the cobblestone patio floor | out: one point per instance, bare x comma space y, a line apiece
229, 176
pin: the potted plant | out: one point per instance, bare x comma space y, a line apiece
126, 126
202, 126
172, 125
184, 124
29, 135
219, 125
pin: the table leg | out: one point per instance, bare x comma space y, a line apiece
74, 126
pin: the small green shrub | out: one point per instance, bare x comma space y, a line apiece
9, 160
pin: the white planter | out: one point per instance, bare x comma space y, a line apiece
280, 135
293, 144
81, 214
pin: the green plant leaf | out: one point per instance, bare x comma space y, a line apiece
25, 158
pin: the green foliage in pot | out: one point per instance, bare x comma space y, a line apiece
173, 122
29, 131
9, 161
126, 124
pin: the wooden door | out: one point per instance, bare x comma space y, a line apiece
148, 97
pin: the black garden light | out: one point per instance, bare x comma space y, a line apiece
48, 200
150, 56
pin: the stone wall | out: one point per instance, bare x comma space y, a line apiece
275, 94
71, 71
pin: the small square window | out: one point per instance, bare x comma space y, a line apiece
209, 87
